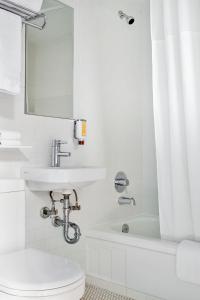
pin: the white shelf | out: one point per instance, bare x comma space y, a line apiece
15, 147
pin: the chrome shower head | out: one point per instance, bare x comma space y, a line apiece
129, 19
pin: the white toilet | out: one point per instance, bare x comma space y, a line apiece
30, 274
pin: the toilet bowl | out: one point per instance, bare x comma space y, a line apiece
31, 274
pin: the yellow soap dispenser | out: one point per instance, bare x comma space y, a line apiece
80, 130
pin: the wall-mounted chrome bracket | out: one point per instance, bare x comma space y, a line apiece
28, 16
121, 182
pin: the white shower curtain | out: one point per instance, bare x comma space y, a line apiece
175, 29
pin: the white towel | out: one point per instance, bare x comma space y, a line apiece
10, 135
10, 143
10, 52
34, 5
188, 261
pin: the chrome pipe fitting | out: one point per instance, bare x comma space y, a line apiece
65, 222
46, 212
126, 201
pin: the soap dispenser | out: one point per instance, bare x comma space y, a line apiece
80, 131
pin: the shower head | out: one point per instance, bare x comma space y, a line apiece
129, 19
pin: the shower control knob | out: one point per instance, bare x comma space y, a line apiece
121, 182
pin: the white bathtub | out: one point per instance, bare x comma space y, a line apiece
140, 226
138, 263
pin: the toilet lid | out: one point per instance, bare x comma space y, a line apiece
34, 270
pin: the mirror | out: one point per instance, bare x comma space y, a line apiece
49, 63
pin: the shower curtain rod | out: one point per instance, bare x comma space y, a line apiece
27, 15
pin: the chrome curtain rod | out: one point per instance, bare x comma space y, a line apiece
27, 15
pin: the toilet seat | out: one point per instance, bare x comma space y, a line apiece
31, 272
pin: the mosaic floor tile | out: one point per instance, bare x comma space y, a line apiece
96, 293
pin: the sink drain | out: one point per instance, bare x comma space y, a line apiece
125, 228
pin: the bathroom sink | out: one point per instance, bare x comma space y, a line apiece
61, 179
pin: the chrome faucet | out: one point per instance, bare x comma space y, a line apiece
126, 201
57, 153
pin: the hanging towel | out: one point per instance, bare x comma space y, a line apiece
34, 5
10, 135
10, 143
10, 52
188, 261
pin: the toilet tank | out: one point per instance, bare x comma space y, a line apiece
12, 215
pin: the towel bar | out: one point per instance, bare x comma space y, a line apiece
27, 15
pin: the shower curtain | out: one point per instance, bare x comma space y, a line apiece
175, 30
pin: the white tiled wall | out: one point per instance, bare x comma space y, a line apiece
112, 90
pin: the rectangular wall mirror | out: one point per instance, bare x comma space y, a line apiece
49, 63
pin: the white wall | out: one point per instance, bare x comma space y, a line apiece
124, 54
113, 92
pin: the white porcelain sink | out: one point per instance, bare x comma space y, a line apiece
61, 179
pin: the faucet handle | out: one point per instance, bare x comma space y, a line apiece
58, 142
63, 142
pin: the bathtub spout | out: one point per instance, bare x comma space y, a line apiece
126, 201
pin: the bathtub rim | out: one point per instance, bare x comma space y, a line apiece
105, 233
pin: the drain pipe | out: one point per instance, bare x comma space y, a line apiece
67, 224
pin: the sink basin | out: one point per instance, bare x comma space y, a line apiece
61, 179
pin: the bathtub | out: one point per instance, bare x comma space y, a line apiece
136, 263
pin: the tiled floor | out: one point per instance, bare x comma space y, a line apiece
95, 293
